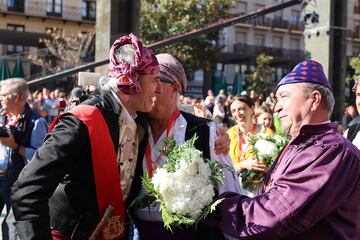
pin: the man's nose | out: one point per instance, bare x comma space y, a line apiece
277, 107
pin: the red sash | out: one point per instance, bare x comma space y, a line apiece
105, 167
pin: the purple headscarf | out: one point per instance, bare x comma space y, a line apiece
128, 74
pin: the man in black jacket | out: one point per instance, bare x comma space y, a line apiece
86, 165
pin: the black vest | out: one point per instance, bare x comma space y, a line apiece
200, 127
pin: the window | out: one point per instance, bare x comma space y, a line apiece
240, 37
356, 29
54, 8
241, 8
15, 5
10, 48
356, 50
88, 10
294, 43
357, 6
259, 39
278, 15
277, 41
261, 19
295, 17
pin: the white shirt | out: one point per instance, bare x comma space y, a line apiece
128, 149
356, 140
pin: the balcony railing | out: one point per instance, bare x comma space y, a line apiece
276, 23
39, 9
276, 52
296, 26
279, 23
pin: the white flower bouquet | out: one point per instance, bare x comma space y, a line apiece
264, 148
185, 186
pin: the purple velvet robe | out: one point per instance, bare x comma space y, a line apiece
315, 193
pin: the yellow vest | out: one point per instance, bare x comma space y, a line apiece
234, 141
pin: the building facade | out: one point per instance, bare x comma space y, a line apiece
279, 34
24, 22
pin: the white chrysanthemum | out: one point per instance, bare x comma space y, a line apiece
280, 140
266, 148
187, 190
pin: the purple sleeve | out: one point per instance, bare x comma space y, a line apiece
310, 186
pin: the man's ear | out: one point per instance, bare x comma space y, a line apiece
17, 97
316, 96
177, 87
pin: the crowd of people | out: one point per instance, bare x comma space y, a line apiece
97, 151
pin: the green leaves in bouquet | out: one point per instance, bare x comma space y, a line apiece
176, 152
251, 180
177, 220
217, 173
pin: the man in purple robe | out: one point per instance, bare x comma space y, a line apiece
313, 189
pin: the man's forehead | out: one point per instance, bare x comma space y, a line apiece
289, 88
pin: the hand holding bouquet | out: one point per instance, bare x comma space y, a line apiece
263, 148
185, 186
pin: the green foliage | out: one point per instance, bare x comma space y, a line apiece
355, 64
161, 19
261, 79
217, 173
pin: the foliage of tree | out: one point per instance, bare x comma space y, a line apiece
355, 64
261, 78
64, 51
161, 19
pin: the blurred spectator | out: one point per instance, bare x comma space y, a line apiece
74, 98
219, 112
39, 105
350, 113
264, 117
52, 107
210, 100
271, 100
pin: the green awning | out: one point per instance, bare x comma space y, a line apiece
4, 70
18, 71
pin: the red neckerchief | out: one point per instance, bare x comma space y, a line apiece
149, 162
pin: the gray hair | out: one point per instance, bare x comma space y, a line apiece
125, 53
108, 84
15, 86
327, 97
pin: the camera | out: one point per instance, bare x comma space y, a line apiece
13, 130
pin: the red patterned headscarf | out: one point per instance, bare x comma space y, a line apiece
128, 74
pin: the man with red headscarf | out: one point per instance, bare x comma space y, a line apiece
84, 170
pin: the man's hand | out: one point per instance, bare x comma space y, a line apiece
9, 141
222, 143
